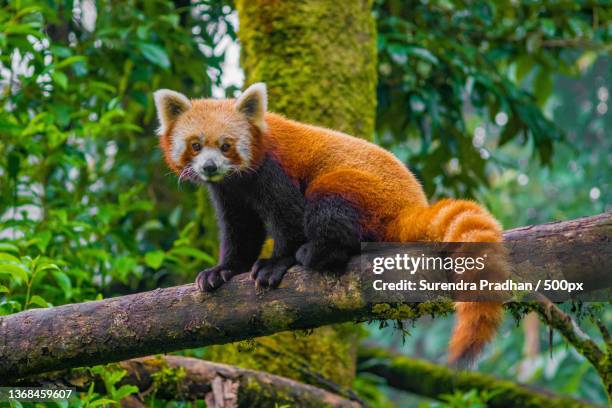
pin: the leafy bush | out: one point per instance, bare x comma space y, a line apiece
87, 208
446, 65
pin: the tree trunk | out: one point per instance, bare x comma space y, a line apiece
318, 59
171, 319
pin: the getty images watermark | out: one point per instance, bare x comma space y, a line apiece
474, 272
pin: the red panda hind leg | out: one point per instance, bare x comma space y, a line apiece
331, 225
335, 217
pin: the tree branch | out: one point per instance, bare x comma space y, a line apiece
427, 379
170, 319
584, 43
220, 385
555, 318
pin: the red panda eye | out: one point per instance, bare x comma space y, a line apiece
225, 147
196, 146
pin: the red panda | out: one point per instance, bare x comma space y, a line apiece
319, 193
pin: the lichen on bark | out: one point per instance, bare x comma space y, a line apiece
318, 60
412, 311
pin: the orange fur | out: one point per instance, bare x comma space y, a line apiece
390, 199
211, 122
333, 162
459, 221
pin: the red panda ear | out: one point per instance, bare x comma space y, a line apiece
170, 105
253, 103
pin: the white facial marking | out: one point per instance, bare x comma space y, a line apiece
243, 147
178, 147
218, 159
227, 126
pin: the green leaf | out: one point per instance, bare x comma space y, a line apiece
60, 79
42, 240
4, 257
16, 271
154, 259
61, 51
102, 401
124, 391
38, 301
62, 114
44, 266
69, 61
192, 252
64, 282
4, 289
14, 164
155, 54
423, 54
523, 66
543, 86
9, 247
548, 27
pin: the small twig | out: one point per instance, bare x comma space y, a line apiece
585, 345
605, 333
572, 43
569, 329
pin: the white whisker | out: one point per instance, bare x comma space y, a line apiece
186, 172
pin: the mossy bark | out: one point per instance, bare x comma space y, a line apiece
192, 379
318, 59
424, 378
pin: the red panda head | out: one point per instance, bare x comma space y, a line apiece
207, 139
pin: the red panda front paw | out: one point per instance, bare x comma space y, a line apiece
212, 278
320, 257
270, 272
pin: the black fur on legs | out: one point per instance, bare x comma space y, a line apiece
333, 231
270, 272
241, 233
244, 203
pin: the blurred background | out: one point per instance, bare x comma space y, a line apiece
506, 102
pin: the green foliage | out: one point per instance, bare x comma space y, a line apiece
111, 376
472, 399
475, 97
372, 390
87, 206
443, 62
578, 179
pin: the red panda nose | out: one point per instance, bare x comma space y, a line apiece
209, 168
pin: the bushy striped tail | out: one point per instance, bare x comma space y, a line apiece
460, 221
